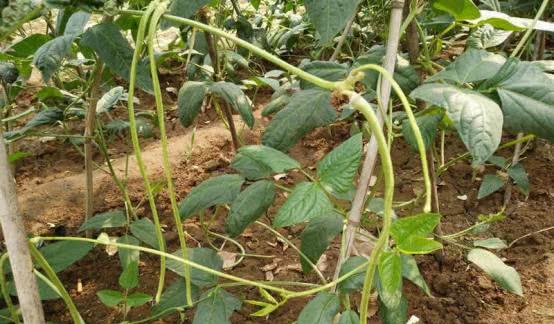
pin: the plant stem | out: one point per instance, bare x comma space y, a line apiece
529, 31
15, 239
242, 43
136, 143
160, 9
343, 36
51, 274
360, 104
5, 292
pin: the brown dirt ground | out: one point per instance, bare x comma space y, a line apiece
462, 294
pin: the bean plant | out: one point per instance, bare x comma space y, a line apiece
500, 84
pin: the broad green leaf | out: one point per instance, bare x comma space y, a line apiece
306, 111
189, 101
137, 299
317, 236
410, 271
491, 243
459, 9
330, 16
249, 206
491, 183
418, 245
519, 175
48, 58
174, 296
337, 169
114, 50
477, 118
60, 255
28, 45
186, 8
356, 281
499, 161
487, 36
428, 123
109, 99
320, 310
214, 191
506, 276
410, 233
216, 307
110, 298
8, 73
206, 257
128, 257
305, 202
276, 105
115, 218
473, 65
503, 21
47, 116
129, 276
330, 71
44, 290
259, 161
145, 230
397, 315
390, 279
76, 24
349, 317
528, 101
419, 225
233, 95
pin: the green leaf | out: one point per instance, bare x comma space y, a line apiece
61, 255
138, 299
305, 202
115, 218
487, 36
356, 281
174, 296
506, 276
28, 45
349, 317
186, 8
190, 99
114, 50
491, 243
459, 9
44, 290
390, 278
491, 183
48, 58
259, 161
110, 298
145, 230
320, 310
528, 101
249, 206
503, 21
206, 257
410, 271
519, 175
410, 233
473, 65
330, 71
428, 123
397, 315
216, 307
477, 118
47, 116
306, 111
127, 256
129, 277
317, 236
330, 16
8, 74
233, 95
76, 24
499, 161
337, 169
109, 99
215, 191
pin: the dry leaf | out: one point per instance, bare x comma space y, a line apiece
270, 266
247, 233
272, 244
112, 249
364, 242
279, 176
372, 181
322, 264
229, 259
294, 267
79, 286
269, 276
462, 197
